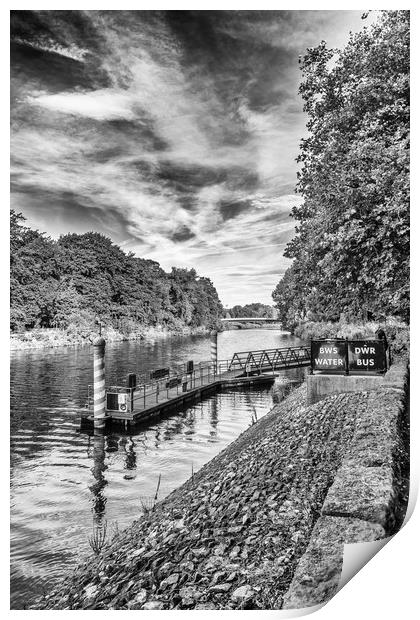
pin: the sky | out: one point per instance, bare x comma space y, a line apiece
175, 133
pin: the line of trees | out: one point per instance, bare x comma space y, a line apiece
351, 251
71, 281
256, 310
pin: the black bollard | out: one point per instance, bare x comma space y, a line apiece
132, 384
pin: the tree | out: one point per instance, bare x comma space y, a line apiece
69, 282
289, 298
194, 300
351, 250
34, 275
255, 310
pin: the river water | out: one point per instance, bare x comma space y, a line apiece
65, 483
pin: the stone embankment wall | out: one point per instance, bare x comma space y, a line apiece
367, 499
262, 525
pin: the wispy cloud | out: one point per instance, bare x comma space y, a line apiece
175, 133
102, 105
51, 46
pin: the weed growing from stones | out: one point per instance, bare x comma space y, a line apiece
98, 538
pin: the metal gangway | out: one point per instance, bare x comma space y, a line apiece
270, 360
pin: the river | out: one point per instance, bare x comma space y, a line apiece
65, 483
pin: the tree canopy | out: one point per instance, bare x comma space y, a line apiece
351, 248
255, 310
72, 281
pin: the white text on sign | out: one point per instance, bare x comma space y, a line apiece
328, 361
332, 350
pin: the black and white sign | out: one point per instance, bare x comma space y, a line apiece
328, 355
367, 355
348, 356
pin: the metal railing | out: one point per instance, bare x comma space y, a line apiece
149, 392
271, 358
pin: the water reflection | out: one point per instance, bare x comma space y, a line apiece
98, 471
213, 417
128, 446
160, 449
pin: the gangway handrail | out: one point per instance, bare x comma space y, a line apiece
301, 347
202, 372
154, 388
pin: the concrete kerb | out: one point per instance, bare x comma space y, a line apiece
360, 504
318, 572
321, 386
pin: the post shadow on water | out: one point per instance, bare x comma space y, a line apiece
184, 421
106, 442
102, 445
98, 471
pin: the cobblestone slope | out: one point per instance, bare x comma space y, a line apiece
232, 536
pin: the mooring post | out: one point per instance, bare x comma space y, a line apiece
99, 397
213, 348
132, 384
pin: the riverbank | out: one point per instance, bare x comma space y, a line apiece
50, 337
233, 536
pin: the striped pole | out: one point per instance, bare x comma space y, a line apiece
213, 347
99, 413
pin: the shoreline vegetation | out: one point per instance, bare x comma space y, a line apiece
397, 333
48, 337
54, 337
396, 330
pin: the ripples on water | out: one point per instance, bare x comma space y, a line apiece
64, 481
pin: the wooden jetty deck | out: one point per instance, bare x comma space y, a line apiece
183, 386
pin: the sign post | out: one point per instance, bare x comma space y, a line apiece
347, 356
